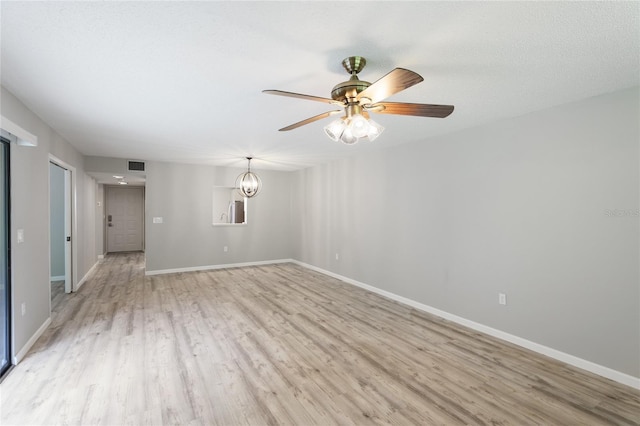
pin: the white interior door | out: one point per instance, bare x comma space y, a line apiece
125, 216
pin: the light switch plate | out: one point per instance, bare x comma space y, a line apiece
157, 220
20, 236
502, 298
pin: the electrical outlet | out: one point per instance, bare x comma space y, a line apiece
24, 309
502, 298
225, 249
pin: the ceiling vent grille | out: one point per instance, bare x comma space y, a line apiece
136, 166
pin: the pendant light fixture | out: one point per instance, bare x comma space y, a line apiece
248, 183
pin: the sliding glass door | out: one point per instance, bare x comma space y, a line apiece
5, 264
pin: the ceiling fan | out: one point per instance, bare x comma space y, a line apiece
358, 98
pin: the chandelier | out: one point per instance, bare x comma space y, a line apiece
248, 183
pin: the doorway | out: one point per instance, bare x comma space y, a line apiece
5, 260
62, 255
124, 207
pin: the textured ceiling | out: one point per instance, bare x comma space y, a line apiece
182, 81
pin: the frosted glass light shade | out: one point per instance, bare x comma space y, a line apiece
359, 126
375, 130
348, 137
334, 129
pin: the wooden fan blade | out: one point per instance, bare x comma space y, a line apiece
420, 110
301, 96
310, 120
394, 82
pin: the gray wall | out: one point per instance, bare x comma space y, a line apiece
118, 166
526, 206
30, 211
56, 220
182, 195
87, 206
99, 220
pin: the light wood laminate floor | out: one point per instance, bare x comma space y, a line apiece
280, 344
58, 295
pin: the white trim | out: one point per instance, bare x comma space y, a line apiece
592, 367
68, 218
210, 267
57, 278
23, 137
23, 352
86, 276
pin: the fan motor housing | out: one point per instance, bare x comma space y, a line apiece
348, 89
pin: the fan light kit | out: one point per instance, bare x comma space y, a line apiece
351, 128
248, 183
358, 98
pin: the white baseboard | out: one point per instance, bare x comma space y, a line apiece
210, 267
100, 256
592, 367
58, 278
23, 352
86, 276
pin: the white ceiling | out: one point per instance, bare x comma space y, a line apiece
182, 81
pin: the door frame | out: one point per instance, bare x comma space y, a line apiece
71, 226
9, 275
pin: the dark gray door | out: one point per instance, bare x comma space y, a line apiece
125, 218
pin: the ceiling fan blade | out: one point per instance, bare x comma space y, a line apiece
301, 96
420, 110
311, 120
394, 82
